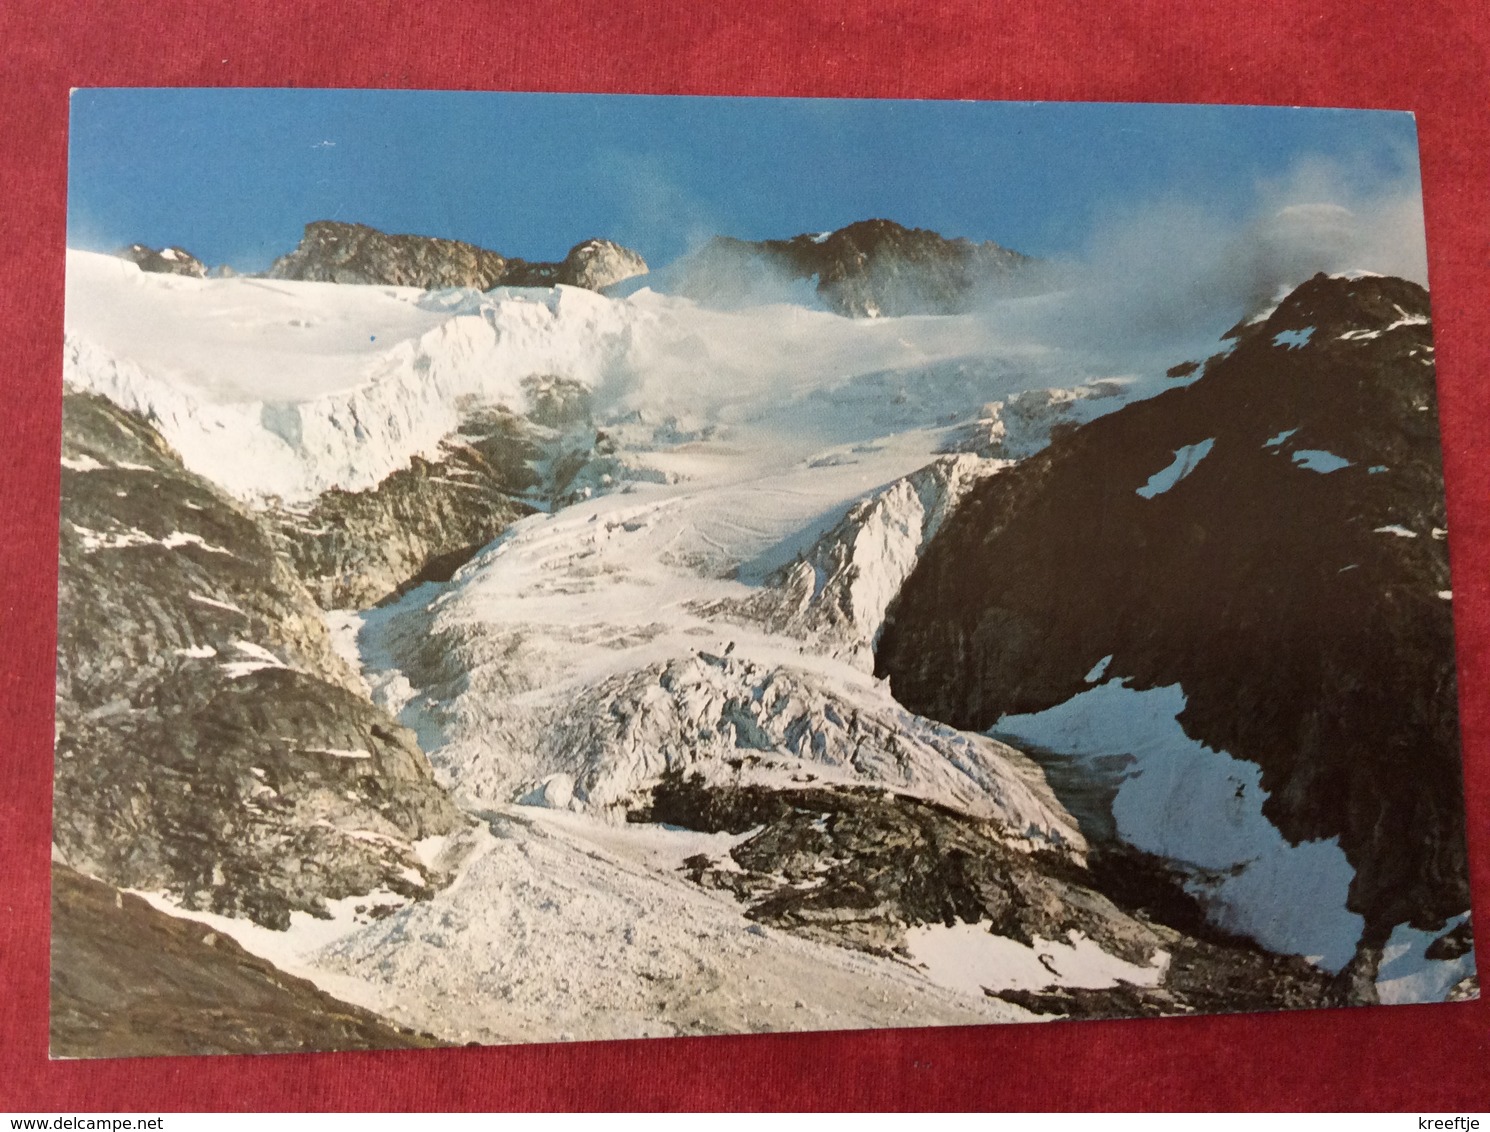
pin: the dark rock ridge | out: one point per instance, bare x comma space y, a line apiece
857, 867
1294, 583
210, 743
420, 524
166, 261
334, 252
868, 269
129, 981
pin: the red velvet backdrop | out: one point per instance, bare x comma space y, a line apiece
1429, 57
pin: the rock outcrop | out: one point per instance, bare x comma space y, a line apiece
592, 264
866, 869
165, 261
865, 270
356, 548
210, 742
129, 981
335, 252
834, 595
1269, 538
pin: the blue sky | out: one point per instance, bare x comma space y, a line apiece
234, 175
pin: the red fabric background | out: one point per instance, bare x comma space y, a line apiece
1429, 57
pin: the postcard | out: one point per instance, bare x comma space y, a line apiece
564, 567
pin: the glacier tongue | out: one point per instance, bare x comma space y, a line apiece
612, 643
735, 720
576, 645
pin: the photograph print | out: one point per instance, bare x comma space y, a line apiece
539, 568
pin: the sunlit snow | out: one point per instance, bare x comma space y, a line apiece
969, 958
321, 385
747, 438
1274, 441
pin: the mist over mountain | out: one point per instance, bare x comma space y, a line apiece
941, 634
1271, 540
869, 269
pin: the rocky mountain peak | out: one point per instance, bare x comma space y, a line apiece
867, 269
335, 252
165, 261
332, 251
1340, 304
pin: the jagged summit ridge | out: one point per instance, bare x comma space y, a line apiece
868, 269
332, 251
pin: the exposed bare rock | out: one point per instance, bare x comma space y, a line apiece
210, 742
865, 270
166, 261
1269, 538
861, 867
354, 549
1466, 990
129, 981
592, 264
335, 252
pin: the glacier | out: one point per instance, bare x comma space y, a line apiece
704, 599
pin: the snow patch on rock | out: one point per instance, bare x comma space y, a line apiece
1186, 459
1202, 808
1406, 974
970, 958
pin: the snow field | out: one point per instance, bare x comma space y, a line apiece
1203, 809
967, 957
285, 389
561, 928
589, 649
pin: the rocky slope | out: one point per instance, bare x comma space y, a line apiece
889, 875
335, 252
1271, 540
356, 548
128, 981
210, 743
868, 269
